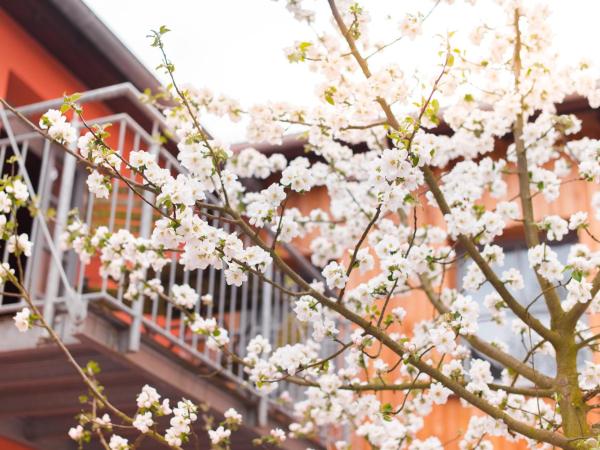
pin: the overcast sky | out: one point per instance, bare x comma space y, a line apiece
235, 47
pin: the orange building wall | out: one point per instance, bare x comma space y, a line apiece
23, 55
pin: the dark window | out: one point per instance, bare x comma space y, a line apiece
18, 93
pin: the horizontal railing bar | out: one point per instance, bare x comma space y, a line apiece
22, 138
163, 153
14, 307
126, 90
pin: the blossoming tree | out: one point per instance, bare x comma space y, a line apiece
505, 84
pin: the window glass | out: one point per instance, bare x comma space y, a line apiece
515, 256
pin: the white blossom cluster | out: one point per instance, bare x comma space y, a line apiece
150, 408
403, 205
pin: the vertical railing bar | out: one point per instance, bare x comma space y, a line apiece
115, 191
231, 326
24, 150
211, 279
88, 220
276, 319
32, 272
266, 330
199, 280
211, 286
186, 280
136, 144
211, 291
90, 209
172, 274
155, 304
221, 309
254, 306
242, 327
79, 203
222, 291
285, 321
168, 317
121, 288
129, 209
2, 157
5, 254
293, 321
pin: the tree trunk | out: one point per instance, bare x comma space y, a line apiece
572, 406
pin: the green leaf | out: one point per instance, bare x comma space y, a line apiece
303, 46
92, 367
387, 408
329, 92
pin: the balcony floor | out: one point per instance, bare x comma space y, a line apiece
40, 390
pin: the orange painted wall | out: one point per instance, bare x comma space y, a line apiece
25, 57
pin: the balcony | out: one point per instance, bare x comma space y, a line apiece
134, 342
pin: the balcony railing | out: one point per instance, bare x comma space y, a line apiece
60, 283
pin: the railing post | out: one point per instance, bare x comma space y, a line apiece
267, 297
67, 179
135, 330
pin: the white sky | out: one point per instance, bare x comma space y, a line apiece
235, 47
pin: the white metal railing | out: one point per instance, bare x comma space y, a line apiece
57, 279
